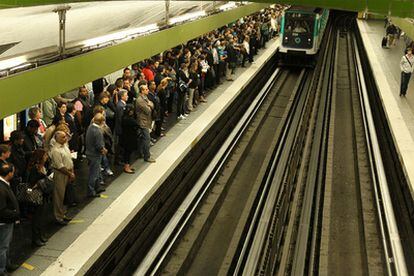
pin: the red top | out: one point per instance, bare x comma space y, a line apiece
149, 75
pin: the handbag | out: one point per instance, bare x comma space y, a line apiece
27, 195
46, 185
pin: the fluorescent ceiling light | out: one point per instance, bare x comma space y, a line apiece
121, 35
187, 16
227, 6
12, 62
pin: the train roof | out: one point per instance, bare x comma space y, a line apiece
304, 9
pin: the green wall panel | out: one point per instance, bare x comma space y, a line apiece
19, 91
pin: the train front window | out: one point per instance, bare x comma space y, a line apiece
301, 27
298, 30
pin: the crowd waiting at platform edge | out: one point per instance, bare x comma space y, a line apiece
105, 125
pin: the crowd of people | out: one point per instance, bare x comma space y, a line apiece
392, 34
104, 126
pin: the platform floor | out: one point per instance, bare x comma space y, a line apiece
85, 216
399, 110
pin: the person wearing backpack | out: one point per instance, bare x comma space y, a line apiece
406, 66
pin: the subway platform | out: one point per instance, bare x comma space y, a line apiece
399, 111
74, 248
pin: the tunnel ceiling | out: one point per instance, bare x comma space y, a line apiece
400, 8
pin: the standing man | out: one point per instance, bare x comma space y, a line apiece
74, 127
144, 108
62, 164
406, 65
95, 150
9, 214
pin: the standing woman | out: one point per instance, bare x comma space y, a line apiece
36, 172
35, 113
128, 138
161, 92
183, 83
61, 111
192, 98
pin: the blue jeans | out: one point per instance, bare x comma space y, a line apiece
94, 173
6, 234
145, 143
105, 163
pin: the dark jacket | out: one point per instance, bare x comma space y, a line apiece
29, 144
74, 128
195, 80
231, 54
120, 108
128, 138
183, 77
109, 113
157, 106
9, 207
94, 141
18, 159
86, 114
158, 78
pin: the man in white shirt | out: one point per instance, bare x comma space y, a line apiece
63, 173
406, 66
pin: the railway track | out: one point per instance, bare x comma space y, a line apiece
313, 201
231, 185
297, 187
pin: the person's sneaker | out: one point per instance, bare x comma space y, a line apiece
100, 190
150, 160
109, 172
186, 115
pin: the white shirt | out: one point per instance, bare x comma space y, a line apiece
215, 56
405, 65
273, 23
4, 180
246, 46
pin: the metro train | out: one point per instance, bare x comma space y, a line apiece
301, 33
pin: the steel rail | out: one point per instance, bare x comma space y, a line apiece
304, 258
394, 254
174, 229
258, 230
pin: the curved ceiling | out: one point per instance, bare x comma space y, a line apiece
400, 8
